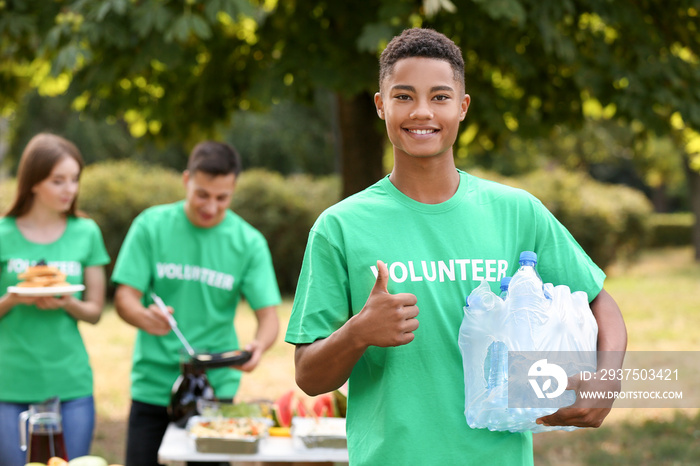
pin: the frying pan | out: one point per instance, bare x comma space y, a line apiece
205, 360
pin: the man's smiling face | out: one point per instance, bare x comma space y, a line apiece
207, 197
422, 105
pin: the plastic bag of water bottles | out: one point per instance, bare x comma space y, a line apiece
527, 317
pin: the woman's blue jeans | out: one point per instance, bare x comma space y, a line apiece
78, 425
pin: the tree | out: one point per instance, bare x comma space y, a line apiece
175, 70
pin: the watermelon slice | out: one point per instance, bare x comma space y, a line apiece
283, 410
324, 406
301, 410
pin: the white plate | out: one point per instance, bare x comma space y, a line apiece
45, 290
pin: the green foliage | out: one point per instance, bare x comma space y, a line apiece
608, 150
171, 70
303, 139
188, 65
96, 140
113, 193
607, 230
671, 229
284, 209
176, 70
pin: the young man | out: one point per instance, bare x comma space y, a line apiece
200, 258
423, 237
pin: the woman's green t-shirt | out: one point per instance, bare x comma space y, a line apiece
41, 351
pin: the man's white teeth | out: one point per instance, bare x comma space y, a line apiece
421, 131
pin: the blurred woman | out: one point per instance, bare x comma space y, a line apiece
42, 354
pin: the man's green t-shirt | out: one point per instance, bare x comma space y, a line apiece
406, 403
42, 354
202, 273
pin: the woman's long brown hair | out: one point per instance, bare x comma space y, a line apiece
38, 159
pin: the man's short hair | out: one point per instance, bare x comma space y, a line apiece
214, 158
421, 42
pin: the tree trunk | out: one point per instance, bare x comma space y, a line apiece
362, 144
694, 189
659, 198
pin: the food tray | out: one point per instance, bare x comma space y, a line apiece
235, 445
323, 432
222, 445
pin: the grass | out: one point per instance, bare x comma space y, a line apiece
658, 294
673, 441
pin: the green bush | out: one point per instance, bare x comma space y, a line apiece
284, 209
671, 229
113, 193
610, 222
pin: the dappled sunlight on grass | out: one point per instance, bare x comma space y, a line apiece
672, 440
660, 300
110, 344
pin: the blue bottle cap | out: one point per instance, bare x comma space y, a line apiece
505, 281
528, 256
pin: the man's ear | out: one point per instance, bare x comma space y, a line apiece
466, 100
379, 103
185, 177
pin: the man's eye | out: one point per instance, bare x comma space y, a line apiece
441, 97
402, 97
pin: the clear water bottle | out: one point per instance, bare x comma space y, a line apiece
496, 361
497, 364
529, 259
526, 304
528, 265
505, 281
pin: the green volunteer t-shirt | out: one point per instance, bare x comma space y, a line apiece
406, 404
41, 351
202, 273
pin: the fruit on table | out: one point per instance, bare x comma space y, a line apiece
279, 432
283, 410
290, 405
301, 410
88, 460
324, 406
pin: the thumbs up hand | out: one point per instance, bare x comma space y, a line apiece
387, 319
